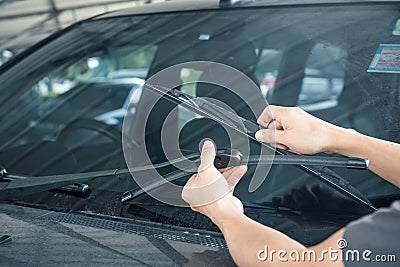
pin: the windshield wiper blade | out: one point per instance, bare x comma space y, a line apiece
327, 176
231, 157
224, 117
330, 177
208, 109
340, 184
340, 162
17, 185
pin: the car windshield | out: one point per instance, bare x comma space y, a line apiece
63, 106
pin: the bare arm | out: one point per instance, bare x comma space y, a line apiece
300, 132
253, 244
384, 156
297, 131
210, 193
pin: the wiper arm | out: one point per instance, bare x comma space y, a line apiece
224, 117
16, 185
12, 185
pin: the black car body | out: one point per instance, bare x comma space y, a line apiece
319, 53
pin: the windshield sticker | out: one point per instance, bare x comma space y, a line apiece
387, 59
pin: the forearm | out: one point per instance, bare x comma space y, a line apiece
384, 156
245, 238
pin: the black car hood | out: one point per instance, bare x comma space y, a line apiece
47, 238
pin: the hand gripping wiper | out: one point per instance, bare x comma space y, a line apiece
212, 111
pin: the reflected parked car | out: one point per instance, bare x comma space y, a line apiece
102, 100
116, 117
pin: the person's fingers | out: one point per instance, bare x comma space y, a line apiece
274, 125
271, 112
265, 117
266, 136
233, 175
280, 146
207, 156
271, 136
294, 152
184, 194
193, 177
223, 170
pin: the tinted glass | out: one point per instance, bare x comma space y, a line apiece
313, 57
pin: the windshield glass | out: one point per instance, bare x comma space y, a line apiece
63, 106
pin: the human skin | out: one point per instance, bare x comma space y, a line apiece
244, 236
297, 131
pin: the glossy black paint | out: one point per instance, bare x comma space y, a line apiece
287, 208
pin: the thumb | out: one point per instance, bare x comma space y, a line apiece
272, 136
207, 156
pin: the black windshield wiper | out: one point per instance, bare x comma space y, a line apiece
319, 168
11, 184
212, 111
208, 109
14, 185
17, 185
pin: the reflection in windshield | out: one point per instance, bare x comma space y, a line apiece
65, 114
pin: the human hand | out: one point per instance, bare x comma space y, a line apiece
210, 192
295, 130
